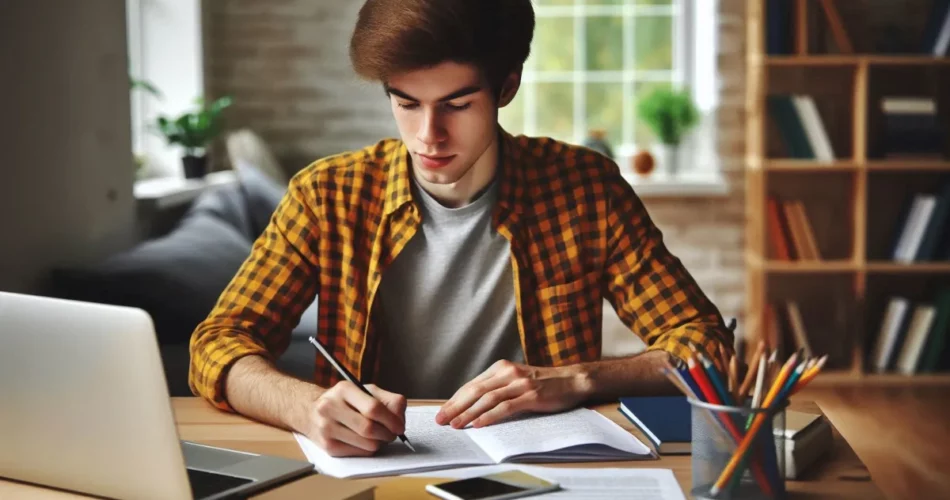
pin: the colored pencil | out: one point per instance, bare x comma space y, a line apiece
752, 372
777, 387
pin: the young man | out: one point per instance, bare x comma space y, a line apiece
459, 262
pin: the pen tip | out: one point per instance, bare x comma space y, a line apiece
409, 445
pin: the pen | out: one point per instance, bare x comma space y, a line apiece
348, 376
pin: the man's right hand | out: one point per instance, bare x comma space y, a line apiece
346, 421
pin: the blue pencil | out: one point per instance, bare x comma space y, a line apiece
716, 380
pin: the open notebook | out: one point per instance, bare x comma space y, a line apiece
579, 435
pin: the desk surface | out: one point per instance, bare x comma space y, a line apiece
840, 474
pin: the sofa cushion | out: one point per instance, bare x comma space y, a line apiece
262, 195
228, 203
176, 278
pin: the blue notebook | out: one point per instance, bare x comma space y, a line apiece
665, 420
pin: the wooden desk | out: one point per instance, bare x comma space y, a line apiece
839, 475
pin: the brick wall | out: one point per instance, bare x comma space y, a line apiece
286, 64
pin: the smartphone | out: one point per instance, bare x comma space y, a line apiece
500, 486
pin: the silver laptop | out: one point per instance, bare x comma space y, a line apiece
84, 407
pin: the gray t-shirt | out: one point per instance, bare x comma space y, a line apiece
447, 302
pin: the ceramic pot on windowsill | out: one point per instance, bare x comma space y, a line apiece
196, 167
667, 158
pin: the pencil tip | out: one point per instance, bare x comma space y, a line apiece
410, 446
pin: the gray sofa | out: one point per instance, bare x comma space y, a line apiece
177, 277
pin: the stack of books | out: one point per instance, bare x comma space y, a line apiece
911, 128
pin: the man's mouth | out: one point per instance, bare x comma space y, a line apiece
435, 161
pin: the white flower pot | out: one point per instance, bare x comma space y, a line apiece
667, 158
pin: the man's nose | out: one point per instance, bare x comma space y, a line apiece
431, 132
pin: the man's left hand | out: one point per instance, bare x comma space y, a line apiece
507, 389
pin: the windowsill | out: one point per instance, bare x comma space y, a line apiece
662, 185
166, 192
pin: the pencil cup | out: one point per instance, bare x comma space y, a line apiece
757, 472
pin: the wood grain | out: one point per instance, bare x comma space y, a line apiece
840, 474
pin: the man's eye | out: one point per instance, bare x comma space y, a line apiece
459, 107
411, 105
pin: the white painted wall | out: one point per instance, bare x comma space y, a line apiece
66, 167
164, 48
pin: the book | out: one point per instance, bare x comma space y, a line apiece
580, 435
807, 436
889, 335
665, 420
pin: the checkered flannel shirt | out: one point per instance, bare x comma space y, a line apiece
578, 234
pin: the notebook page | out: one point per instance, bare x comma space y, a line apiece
437, 447
533, 434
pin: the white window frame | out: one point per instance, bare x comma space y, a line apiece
164, 48
695, 48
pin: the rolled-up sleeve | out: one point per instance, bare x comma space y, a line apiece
650, 289
264, 301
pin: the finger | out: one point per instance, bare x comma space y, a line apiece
488, 402
466, 396
505, 409
355, 421
347, 436
337, 448
395, 402
373, 409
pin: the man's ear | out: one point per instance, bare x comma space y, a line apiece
509, 89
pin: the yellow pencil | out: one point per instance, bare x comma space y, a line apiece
810, 374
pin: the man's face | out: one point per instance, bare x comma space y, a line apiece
447, 116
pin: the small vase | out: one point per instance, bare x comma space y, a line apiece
195, 166
667, 158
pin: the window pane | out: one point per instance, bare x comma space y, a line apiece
642, 135
604, 42
556, 110
605, 110
653, 42
553, 47
511, 116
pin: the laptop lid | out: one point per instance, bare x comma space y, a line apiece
85, 406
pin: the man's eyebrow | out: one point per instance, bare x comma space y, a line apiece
462, 92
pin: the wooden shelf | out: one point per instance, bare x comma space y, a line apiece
855, 60
806, 266
847, 216
814, 166
811, 60
838, 379
909, 165
809, 166
914, 267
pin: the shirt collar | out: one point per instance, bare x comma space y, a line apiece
398, 190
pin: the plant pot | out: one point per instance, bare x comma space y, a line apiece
667, 158
195, 166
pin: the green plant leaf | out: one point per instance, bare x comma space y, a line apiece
668, 113
196, 128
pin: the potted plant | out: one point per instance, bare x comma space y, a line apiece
193, 131
669, 113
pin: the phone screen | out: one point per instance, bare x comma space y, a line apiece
479, 487
494, 485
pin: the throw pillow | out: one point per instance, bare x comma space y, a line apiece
177, 278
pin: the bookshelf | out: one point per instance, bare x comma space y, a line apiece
853, 204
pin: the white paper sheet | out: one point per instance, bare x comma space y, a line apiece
587, 484
544, 433
436, 447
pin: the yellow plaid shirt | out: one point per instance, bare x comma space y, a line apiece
578, 234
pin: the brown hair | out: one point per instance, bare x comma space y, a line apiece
393, 36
